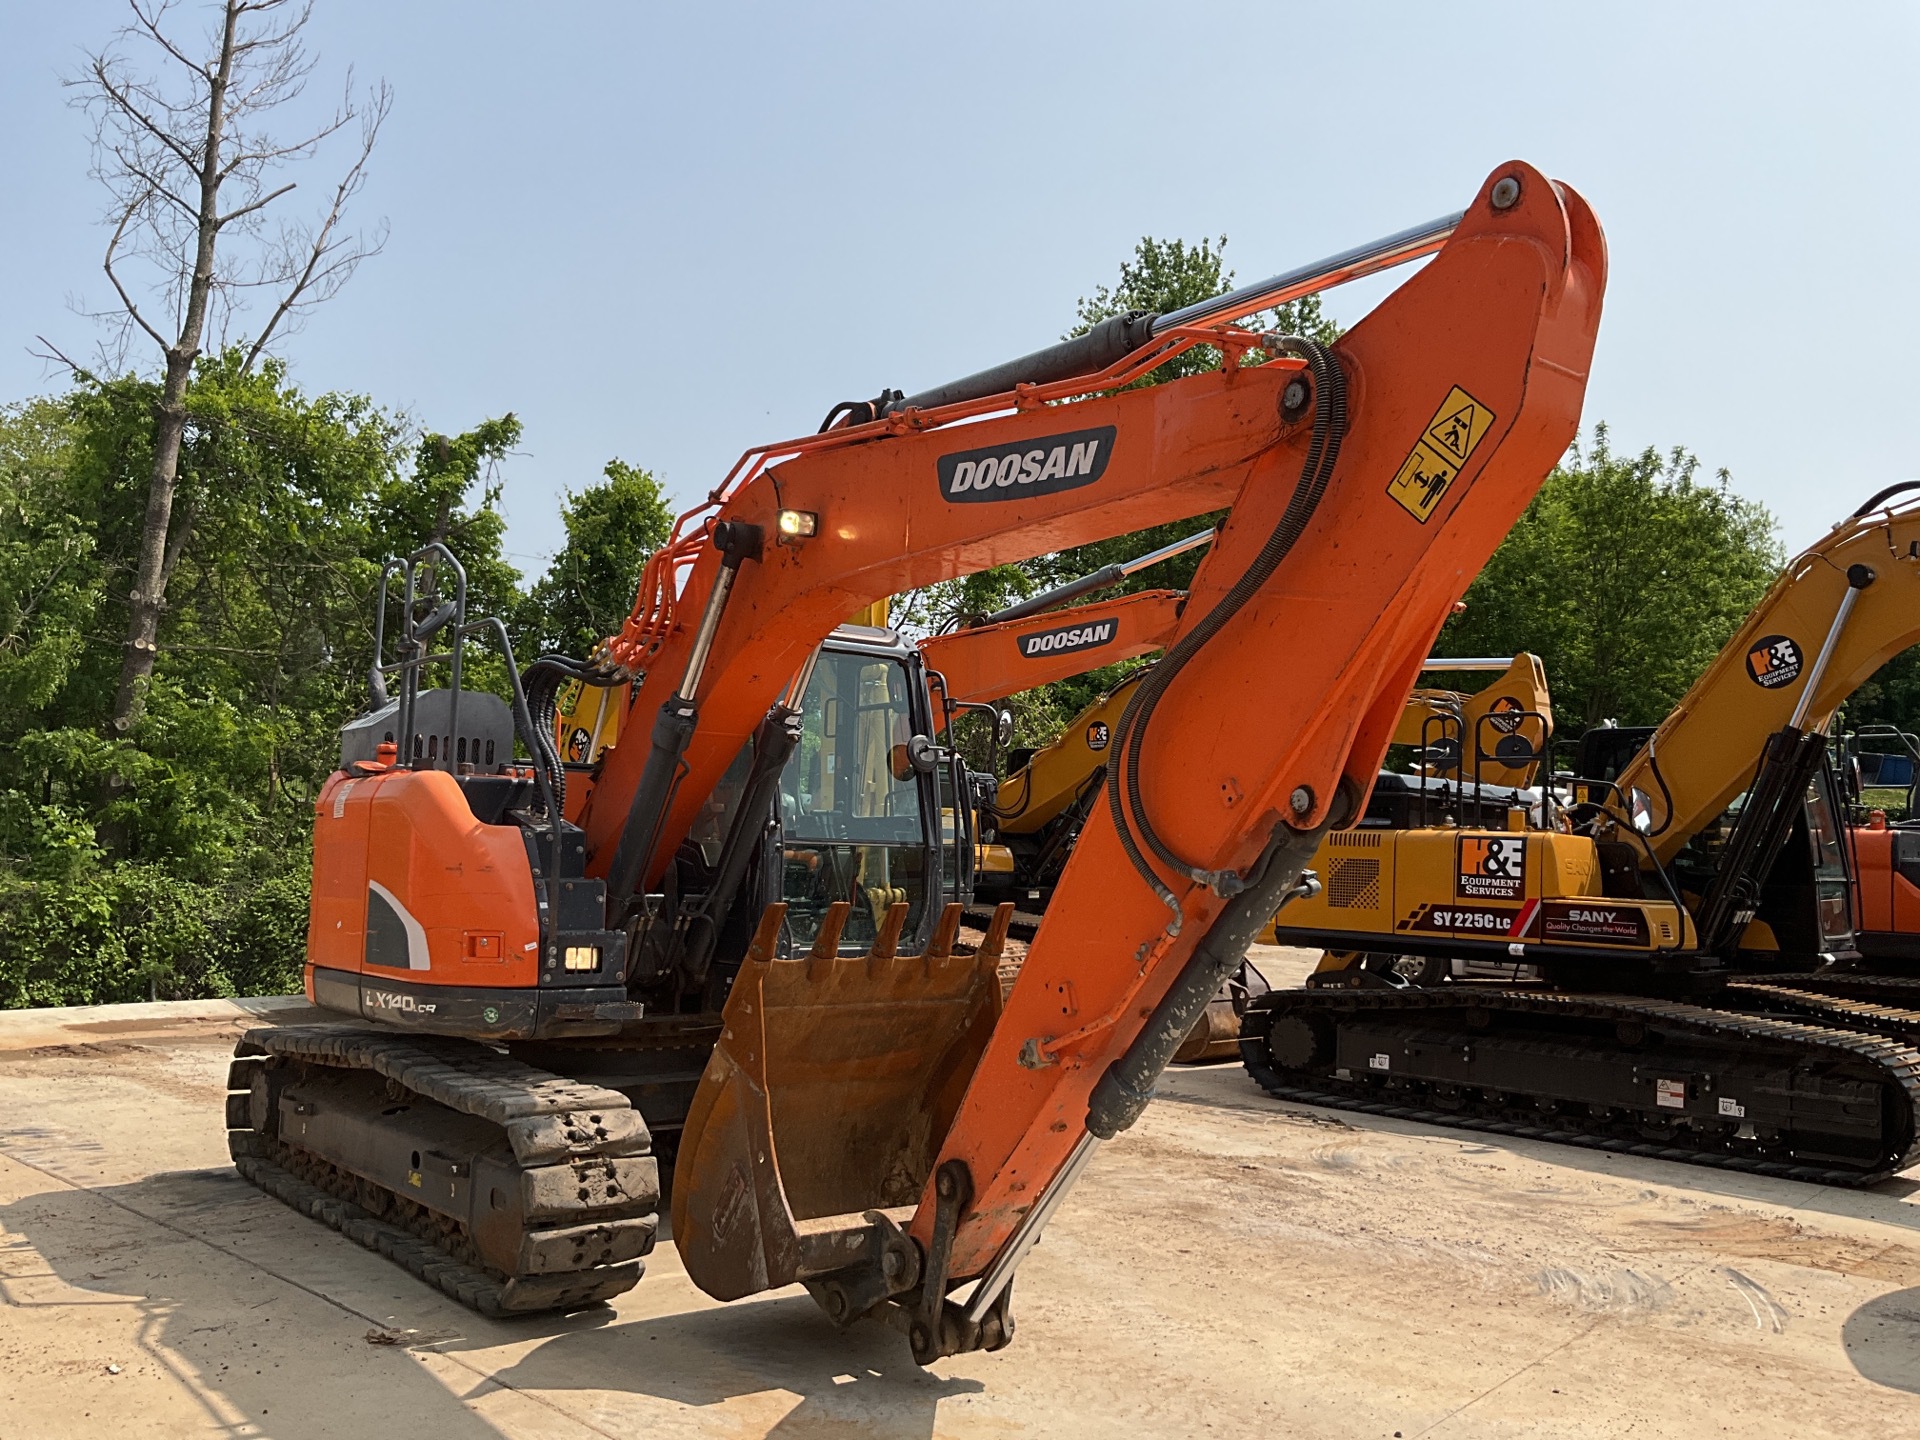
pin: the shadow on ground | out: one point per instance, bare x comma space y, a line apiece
157, 1271
1883, 1340
262, 1315
857, 1382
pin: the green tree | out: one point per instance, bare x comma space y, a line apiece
50, 585
612, 527
1626, 575
174, 861
192, 166
1891, 697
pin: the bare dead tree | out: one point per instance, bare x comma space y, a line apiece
184, 144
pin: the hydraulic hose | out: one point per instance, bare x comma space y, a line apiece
1124, 799
541, 681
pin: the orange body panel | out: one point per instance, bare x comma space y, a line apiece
991, 662
1875, 882
1886, 902
466, 885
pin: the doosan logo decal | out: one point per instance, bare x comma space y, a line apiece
1042, 466
1068, 638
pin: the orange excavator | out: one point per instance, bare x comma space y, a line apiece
745, 944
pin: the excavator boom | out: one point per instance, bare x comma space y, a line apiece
991, 662
1835, 615
1365, 486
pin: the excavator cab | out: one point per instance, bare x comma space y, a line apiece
858, 821
849, 812
1804, 892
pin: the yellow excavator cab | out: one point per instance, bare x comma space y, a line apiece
1510, 722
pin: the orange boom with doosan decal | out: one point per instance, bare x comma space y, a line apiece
736, 937
1673, 962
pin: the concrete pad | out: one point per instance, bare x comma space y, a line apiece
1231, 1266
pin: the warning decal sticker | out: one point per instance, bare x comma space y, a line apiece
1438, 455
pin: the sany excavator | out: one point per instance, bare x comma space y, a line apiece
1029, 827
747, 940
1682, 975
1047, 794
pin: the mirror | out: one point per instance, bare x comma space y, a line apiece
1003, 730
922, 754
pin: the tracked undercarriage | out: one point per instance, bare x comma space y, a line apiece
510, 1188
1770, 1079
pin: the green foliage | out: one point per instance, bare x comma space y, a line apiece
49, 584
1626, 575
1891, 697
288, 506
612, 528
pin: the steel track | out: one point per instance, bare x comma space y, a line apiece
574, 1139
1895, 1063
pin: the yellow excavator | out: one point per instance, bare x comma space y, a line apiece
1040, 806
1029, 827
1661, 957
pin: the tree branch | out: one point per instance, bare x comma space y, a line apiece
54, 353
126, 300
150, 23
221, 221
349, 183
177, 543
120, 96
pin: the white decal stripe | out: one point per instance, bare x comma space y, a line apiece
417, 957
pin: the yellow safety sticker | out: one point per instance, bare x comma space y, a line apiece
1438, 455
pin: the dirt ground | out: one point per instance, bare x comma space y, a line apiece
1230, 1267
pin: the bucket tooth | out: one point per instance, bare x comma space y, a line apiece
833, 1085
996, 937
826, 940
946, 932
766, 935
886, 942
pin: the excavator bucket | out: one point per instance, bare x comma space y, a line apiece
832, 1087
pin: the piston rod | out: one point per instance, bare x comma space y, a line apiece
1101, 579
1859, 577
1466, 662
1354, 264
1000, 1273
1113, 339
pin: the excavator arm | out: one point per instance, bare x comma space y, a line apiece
1365, 487
1839, 612
991, 662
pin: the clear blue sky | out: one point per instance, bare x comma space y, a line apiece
669, 232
